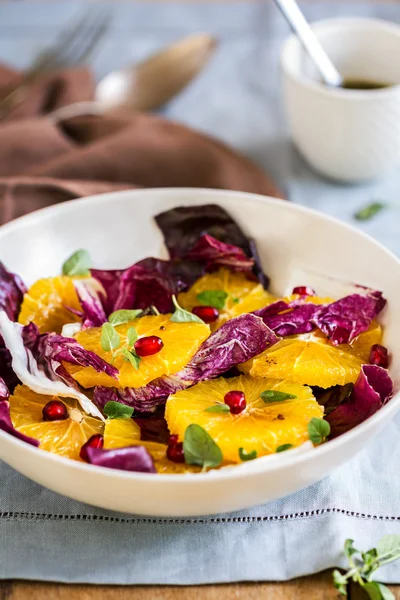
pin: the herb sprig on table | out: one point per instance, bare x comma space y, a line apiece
364, 564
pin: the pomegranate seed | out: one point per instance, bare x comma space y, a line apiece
379, 356
147, 346
208, 314
172, 440
96, 441
175, 453
55, 410
304, 290
236, 401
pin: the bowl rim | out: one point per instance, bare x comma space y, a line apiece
266, 464
324, 25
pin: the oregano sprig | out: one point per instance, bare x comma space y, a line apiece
183, 316
111, 342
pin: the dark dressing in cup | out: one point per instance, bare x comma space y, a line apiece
352, 83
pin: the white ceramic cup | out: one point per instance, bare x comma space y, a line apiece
345, 134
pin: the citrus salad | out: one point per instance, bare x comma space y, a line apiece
186, 364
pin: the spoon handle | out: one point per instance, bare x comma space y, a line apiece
298, 23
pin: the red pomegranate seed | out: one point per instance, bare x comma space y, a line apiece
208, 314
147, 346
304, 290
175, 453
96, 441
172, 440
55, 410
236, 401
379, 356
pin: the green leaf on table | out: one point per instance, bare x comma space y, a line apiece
200, 449
132, 336
340, 582
116, 410
183, 316
218, 408
78, 263
119, 317
378, 591
110, 339
349, 549
370, 210
388, 548
215, 298
245, 456
276, 396
284, 447
318, 430
131, 357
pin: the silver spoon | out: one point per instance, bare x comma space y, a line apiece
149, 84
298, 23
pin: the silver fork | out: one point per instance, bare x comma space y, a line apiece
75, 43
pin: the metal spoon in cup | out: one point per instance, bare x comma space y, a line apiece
298, 23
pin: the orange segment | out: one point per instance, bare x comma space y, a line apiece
261, 426
181, 341
244, 295
119, 433
65, 438
46, 304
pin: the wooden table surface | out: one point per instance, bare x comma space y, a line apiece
315, 587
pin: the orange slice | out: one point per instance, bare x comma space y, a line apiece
65, 438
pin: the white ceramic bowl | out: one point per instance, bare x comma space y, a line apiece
350, 135
118, 230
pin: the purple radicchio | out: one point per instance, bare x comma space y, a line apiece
184, 225
214, 254
288, 318
91, 297
236, 341
7, 426
371, 391
131, 458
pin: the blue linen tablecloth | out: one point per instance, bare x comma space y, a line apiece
45, 536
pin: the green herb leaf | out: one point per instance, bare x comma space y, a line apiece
131, 357
349, 549
235, 300
200, 449
244, 456
183, 316
116, 410
119, 317
110, 339
378, 591
218, 408
215, 298
284, 447
318, 430
132, 336
275, 396
340, 582
370, 210
77, 264
388, 548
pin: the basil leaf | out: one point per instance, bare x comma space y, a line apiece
131, 357
110, 339
218, 408
340, 582
200, 449
183, 316
275, 396
118, 317
378, 591
116, 410
244, 456
318, 430
284, 447
370, 210
388, 548
77, 264
132, 336
215, 298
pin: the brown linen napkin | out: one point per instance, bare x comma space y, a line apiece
43, 162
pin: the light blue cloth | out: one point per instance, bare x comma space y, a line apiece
45, 536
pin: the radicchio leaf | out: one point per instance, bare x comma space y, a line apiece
214, 254
153, 428
343, 320
371, 391
182, 227
236, 341
288, 318
132, 458
91, 297
4, 392
7, 426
